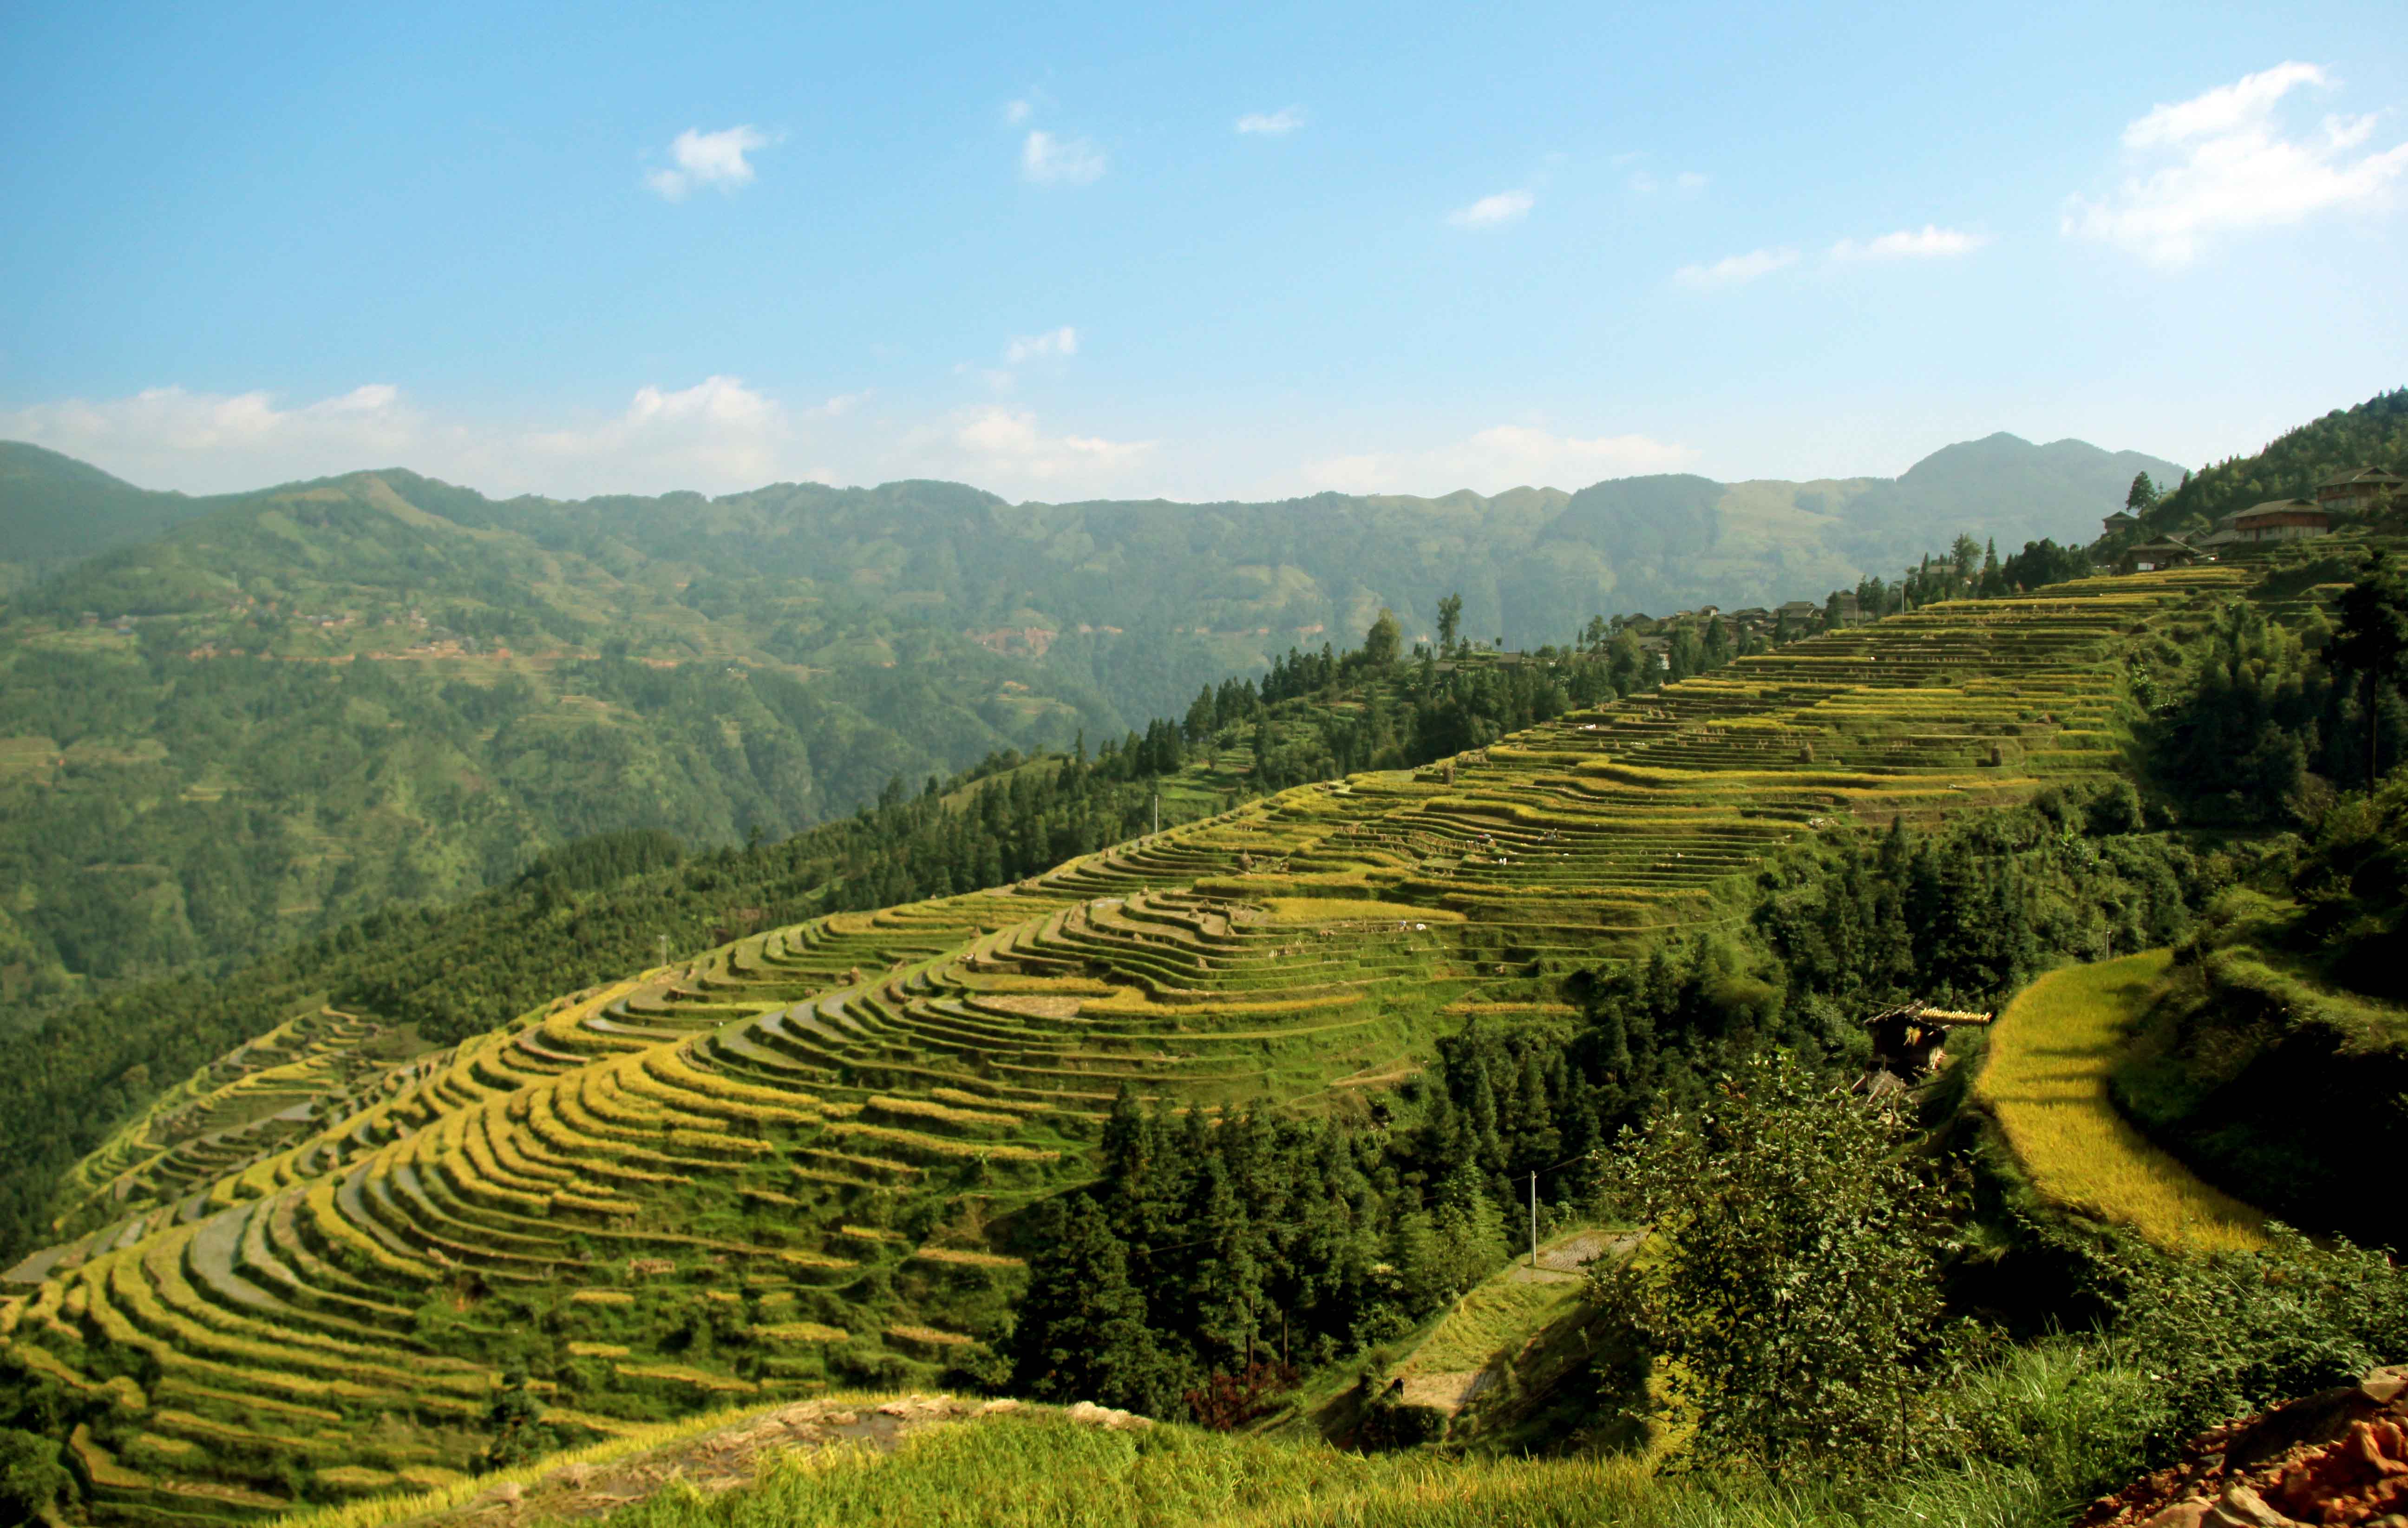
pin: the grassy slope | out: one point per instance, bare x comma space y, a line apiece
2050, 1416
2276, 1084
2050, 1059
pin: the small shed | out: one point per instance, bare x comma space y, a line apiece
1908, 1038
2149, 557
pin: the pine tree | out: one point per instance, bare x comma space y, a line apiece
1082, 1334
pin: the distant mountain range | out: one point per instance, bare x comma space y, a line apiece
1531, 563
229, 721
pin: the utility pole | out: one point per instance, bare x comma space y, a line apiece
1157, 814
1534, 1219
664, 949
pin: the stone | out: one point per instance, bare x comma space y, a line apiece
508, 1491
2382, 1386
2242, 1508
2186, 1513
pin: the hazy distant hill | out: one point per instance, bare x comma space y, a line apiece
55, 511
1228, 583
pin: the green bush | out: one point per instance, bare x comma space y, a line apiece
1796, 1274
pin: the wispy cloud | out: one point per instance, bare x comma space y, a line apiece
2222, 163
1061, 341
1050, 161
1689, 182
1503, 456
1929, 243
708, 159
1489, 211
717, 434
1275, 123
1016, 112
996, 438
1735, 269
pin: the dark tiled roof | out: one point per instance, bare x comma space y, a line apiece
2370, 477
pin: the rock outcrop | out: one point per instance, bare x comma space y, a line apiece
2339, 1457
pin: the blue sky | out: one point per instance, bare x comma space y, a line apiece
1070, 252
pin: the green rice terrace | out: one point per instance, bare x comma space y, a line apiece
791, 1164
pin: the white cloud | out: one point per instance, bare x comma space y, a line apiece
2221, 162
1017, 112
1735, 269
1007, 443
1488, 212
1689, 182
717, 435
1929, 243
708, 159
1061, 341
214, 443
1643, 182
1503, 456
2240, 104
1275, 123
1050, 161
842, 403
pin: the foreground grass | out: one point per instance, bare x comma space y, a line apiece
2051, 1055
2020, 1443
2048, 1430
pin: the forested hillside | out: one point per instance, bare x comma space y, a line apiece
2372, 434
55, 511
254, 717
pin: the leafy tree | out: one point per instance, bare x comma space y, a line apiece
2230, 738
1798, 1279
2143, 496
1450, 621
514, 1424
1383, 641
32, 1479
1965, 556
2372, 642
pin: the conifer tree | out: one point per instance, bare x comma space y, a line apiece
1082, 1334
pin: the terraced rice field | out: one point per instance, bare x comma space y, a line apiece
785, 1163
2045, 1075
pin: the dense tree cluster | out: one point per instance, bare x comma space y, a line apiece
2253, 722
1208, 1238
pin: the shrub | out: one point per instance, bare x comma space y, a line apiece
2231, 1334
1794, 1275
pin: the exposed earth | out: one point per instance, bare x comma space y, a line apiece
2336, 1458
